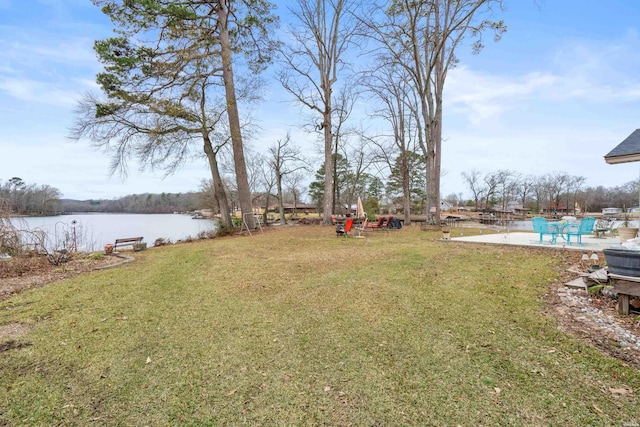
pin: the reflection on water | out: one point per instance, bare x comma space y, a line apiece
93, 231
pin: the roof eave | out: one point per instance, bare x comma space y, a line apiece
613, 160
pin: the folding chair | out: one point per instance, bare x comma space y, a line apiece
344, 229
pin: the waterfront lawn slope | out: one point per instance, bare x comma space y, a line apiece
298, 327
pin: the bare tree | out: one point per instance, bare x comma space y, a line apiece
573, 185
490, 185
29, 199
475, 184
553, 185
524, 188
506, 187
293, 184
359, 156
391, 89
285, 159
422, 37
322, 32
266, 181
344, 102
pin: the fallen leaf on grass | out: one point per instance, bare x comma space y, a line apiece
231, 393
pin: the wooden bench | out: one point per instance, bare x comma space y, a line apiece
626, 287
129, 241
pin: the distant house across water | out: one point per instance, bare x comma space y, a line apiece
290, 208
611, 211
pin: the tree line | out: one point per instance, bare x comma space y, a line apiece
21, 198
146, 203
554, 191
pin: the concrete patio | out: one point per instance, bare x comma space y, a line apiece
530, 239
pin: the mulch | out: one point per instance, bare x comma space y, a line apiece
21, 273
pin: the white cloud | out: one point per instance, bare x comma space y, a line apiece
481, 96
579, 71
82, 172
39, 92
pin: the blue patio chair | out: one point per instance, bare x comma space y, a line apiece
585, 226
540, 225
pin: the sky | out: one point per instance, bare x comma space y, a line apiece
556, 94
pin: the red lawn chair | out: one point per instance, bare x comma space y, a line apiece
344, 229
376, 225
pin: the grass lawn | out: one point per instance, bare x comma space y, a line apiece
298, 327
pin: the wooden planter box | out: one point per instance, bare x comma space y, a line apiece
137, 247
624, 272
626, 287
627, 233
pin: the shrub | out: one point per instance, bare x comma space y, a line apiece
161, 242
224, 231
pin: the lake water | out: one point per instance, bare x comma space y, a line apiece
93, 231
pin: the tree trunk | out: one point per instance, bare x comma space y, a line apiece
242, 182
218, 189
436, 125
437, 161
407, 193
265, 215
283, 218
328, 160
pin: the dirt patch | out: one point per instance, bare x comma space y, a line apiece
13, 330
21, 273
9, 335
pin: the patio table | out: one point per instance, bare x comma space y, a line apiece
558, 230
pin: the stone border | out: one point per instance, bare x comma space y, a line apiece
125, 259
579, 307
